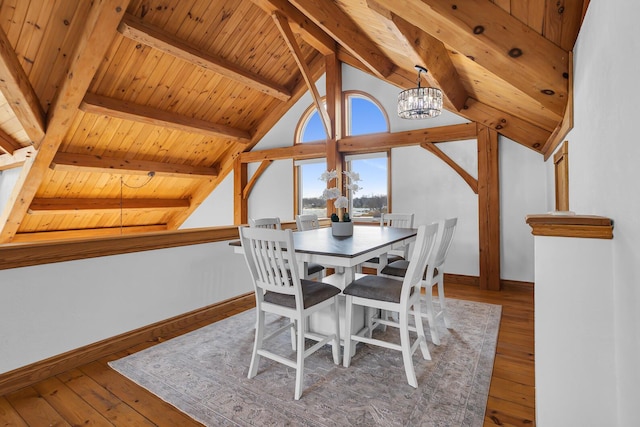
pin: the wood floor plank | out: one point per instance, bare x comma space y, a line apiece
69, 405
34, 409
508, 414
109, 405
147, 404
512, 391
9, 416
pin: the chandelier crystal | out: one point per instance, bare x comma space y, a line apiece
420, 102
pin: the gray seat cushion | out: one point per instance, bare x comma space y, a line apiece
376, 288
399, 269
390, 258
313, 268
312, 293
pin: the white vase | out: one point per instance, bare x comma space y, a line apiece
342, 229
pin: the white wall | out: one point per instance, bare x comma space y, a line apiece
8, 179
442, 193
50, 309
603, 157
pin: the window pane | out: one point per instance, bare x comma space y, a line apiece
366, 117
371, 200
311, 188
313, 130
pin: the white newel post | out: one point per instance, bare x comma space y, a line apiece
574, 325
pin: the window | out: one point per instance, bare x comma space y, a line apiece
363, 115
371, 200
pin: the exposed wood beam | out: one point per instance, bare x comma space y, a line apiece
97, 104
90, 233
431, 147
17, 159
335, 110
136, 29
283, 25
21, 96
47, 206
97, 164
566, 124
489, 208
328, 16
300, 24
91, 46
384, 141
7, 144
254, 178
431, 53
298, 151
497, 41
517, 129
240, 214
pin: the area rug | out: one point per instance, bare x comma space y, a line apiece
204, 374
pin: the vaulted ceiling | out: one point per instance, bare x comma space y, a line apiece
124, 115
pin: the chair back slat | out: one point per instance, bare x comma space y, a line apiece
399, 220
447, 228
269, 222
307, 222
422, 249
270, 257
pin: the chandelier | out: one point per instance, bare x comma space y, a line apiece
420, 102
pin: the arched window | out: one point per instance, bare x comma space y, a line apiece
363, 115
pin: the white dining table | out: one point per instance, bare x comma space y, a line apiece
344, 254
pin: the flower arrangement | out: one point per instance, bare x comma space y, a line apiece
341, 202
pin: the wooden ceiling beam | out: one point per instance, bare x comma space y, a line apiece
497, 41
99, 164
48, 206
97, 104
283, 25
20, 95
300, 24
385, 141
7, 144
298, 152
136, 29
90, 233
17, 159
88, 54
328, 16
431, 53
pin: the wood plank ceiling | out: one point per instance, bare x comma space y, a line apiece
124, 115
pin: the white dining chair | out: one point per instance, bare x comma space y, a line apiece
387, 294
314, 271
434, 276
401, 220
307, 222
270, 256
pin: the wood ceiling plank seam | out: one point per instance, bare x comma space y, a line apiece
20, 9
31, 35
553, 21
24, 35
77, 132
571, 21
193, 22
58, 67
109, 73
228, 106
103, 75
163, 95
7, 12
132, 79
503, 4
536, 15
54, 34
243, 49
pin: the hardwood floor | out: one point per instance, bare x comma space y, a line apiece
95, 395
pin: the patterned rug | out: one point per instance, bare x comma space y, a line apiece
204, 374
